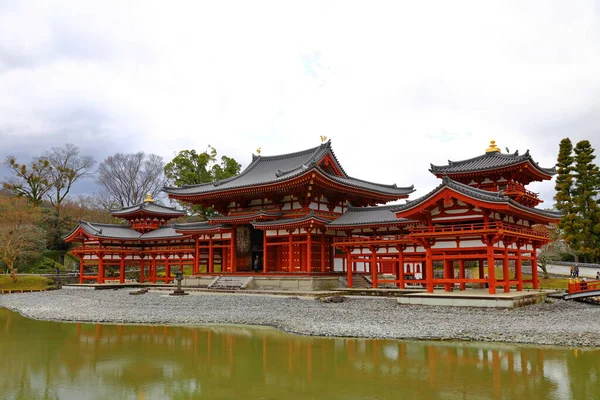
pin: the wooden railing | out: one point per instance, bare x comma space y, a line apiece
515, 188
580, 287
369, 239
478, 227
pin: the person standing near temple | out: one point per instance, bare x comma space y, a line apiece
571, 272
576, 271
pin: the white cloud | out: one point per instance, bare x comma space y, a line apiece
396, 85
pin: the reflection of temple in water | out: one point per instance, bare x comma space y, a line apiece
210, 359
75, 361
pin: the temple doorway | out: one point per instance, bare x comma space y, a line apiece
257, 241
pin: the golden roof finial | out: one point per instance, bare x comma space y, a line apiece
258, 151
148, 199
493, 148
323, 139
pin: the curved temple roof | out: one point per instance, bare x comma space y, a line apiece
148, 207
489, 161
476, 194
356, 216
273, 169
123, 232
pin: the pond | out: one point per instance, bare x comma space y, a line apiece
52, 360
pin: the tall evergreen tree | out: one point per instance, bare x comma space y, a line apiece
585, 201
564, 193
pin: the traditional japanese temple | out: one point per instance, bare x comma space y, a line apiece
301, 214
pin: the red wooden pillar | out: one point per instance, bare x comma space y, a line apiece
491, 268
100, 268
290, 252
461, 274
122, 269
374, 266
323, 251
505, 270
349, 266
232, 256
196, 265
265, 253
481, 273
428, 269
81, 269
400, 269
534, 267
153, 272
519, 268
167, 269
448, 274
211, 254
308, 251
141, 268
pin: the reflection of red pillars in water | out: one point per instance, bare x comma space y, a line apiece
98, 332
264, 359
432, 364
78, 329
540, 362
289, 356
510, 357
195, 342
209, 346
496, 369
230, 350
309, 363
523, 363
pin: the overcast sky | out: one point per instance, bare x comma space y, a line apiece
395, 85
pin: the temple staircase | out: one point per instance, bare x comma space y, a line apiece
230, 282
359, 281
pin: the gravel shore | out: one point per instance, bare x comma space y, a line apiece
561, 323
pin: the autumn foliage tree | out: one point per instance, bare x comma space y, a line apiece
20, 234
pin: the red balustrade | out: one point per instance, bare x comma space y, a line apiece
577, 287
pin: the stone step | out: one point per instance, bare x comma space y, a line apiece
230, 282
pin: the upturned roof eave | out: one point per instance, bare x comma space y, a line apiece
402, 192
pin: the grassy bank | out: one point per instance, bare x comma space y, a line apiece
25, 283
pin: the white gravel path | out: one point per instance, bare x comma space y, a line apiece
561, 323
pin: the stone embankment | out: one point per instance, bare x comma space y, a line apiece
559, 323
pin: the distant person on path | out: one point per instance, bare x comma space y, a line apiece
576, 271
598, 276
572, 272
256, 265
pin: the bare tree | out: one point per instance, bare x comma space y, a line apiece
128, 177
67, 167
31, 181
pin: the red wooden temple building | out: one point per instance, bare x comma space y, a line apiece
300, 214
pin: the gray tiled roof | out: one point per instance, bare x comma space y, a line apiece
475, 193
149, 207
488, 161
112, 231
162, 232
266, 170
257, 214
196, 226
303, 218
368, 216
109, 231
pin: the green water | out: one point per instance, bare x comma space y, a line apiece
49, 360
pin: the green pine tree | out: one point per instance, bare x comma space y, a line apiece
564, 194
585, 201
